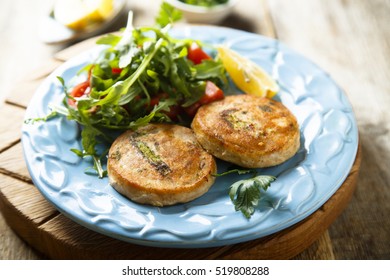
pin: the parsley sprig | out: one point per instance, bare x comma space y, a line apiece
245, 194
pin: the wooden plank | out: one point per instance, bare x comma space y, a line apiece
363, 231
75, 49
21, 50
346, 46
64, 239
351, 41
321, 249
10, 126
12, 163
368, 71
23, 209
12, 247
43, 70
21, 95
21, 198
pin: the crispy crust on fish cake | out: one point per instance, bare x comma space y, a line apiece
160, 164
247, 130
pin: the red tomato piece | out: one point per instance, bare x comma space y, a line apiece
196, 54
212, 93
192, 109
78, 91
116, 71
174, 112
156, 99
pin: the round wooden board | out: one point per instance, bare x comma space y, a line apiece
58, 237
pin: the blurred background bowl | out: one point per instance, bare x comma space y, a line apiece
205, 15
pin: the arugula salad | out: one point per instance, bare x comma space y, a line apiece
144, 75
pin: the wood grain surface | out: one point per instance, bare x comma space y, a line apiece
348, 39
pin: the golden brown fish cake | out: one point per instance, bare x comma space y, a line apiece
247, 130
160, 164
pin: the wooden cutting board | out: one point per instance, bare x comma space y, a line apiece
37, 222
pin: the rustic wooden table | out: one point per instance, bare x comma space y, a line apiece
348, 39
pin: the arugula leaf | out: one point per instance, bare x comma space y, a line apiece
51, 115
127, 35
62, 81
167, 15
88, 136
162, 106
89, 142
245, 194
209, 68
127, 55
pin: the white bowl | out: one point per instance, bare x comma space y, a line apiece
198, 14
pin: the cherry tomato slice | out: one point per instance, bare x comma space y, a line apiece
116, 71
174, 112
212, 93
196, 54
78, 91
156, 99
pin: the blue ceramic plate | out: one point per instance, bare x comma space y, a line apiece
329, 144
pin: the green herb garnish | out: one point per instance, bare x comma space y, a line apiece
245, 194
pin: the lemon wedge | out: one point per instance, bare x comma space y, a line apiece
78, 14
247, 75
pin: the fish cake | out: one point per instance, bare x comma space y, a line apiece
160, 164
247, 130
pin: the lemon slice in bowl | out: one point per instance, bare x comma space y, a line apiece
78, 14
247, 75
